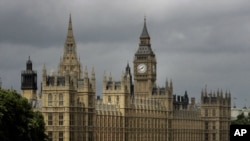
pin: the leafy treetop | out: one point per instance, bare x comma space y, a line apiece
17, 119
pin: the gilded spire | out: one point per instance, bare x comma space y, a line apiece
144, 33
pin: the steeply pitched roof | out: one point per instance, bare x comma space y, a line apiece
144, 33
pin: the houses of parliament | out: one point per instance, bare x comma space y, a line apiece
133, 108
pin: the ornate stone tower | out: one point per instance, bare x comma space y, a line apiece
68, 97
215, 113
144, 66
118, 92
29, 82
70, 62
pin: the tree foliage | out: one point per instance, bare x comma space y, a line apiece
242, 119
17, 119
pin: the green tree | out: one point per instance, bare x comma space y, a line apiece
17, 119
242, 119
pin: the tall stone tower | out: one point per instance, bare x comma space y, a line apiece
215, 113
70, 62
144, 66
68, 97
29, 82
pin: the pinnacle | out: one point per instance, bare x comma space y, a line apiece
70, 29
144, 33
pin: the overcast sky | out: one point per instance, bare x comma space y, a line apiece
196, 42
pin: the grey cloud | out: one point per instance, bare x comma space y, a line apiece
196, 42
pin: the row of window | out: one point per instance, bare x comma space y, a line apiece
50, 99
141, 57
213, 136
207, 125
50, 136
117, 99
50, 119
213, 112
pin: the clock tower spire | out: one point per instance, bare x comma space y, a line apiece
144, 38
144, 66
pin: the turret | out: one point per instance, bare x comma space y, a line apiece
171, 86
110, 76
29, 82
93, 79
86, 79
29, 77
166, 84
44, 74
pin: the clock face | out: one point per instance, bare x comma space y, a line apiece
141, 68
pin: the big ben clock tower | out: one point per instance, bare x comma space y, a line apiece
144, 66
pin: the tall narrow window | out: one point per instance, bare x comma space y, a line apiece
50, 136
206, 136
214, 125
72, 101
71, 138
117, 99
60, 99
206, 125
50, 119
214, 114
90, 120
61, 119
72, 119
50, 99
206, 112
214, 136
60, 136
109, 100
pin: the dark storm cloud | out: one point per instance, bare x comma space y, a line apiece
208, 28
197, 43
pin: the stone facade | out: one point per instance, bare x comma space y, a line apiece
129, 109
